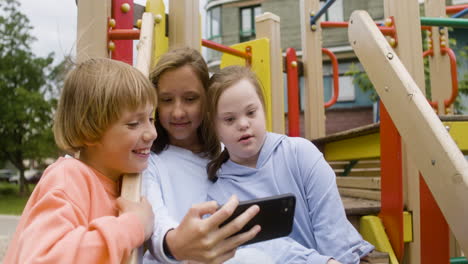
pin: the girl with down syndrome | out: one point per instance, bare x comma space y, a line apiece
256, 163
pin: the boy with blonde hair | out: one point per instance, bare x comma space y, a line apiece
105, 118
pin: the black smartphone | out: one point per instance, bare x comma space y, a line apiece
276, 216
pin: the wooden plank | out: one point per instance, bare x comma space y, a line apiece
314, 113
268, 26
359, 207
372, 183
365, 172
459, 131
363, 147
359, 193
131, 183
123, 17
439, 65
145, 45
409, 49
161, 42
91, 39
436, 155
368, 164
184, 24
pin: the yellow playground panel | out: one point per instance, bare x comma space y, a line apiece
160, 41
260, 49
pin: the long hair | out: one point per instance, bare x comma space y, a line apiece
219, 83
173, 60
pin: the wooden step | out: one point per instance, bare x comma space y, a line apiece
359, 172
360, 193
372, 183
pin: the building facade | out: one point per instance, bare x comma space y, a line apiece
233, 21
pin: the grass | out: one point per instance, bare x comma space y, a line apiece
10, 201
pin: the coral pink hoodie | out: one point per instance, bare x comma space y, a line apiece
71, 217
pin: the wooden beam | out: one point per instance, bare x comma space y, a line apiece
184, 24
91, 39
131, 183
439, 65
314, 113
268, 26
372, 183
431, 148
363, 147
409, 49
360, 193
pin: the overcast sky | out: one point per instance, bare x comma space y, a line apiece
54, 23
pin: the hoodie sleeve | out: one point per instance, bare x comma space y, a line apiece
163, 222
334, 234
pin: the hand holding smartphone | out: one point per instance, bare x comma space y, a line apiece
276, 216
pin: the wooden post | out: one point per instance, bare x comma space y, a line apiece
432, 149
131, 183
439, 65
314, 113
91, 39
122, 13
184, 24
268, 26
409, 50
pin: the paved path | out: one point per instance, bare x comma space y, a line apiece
8, 225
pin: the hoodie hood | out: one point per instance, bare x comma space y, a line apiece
232, 170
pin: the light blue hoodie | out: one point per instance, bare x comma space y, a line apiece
295, 165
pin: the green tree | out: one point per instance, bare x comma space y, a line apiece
26, 113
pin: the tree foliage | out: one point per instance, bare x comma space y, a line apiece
26, 113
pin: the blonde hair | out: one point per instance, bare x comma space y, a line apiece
173, 60
95, 94
219, 83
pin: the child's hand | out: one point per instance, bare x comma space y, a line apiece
143, 211
202, 240
332, 261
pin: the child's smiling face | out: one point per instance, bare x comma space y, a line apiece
181, 96
125, 145
240, 123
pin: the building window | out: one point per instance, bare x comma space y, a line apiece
334, 12
247, 22
213, 31
213, 26
346, 90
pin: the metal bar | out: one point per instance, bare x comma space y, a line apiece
444, 22
322, 10
336, 82
330, 24
293, 93
453, 73
461, 13
455, 9
124, 34
222, 48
